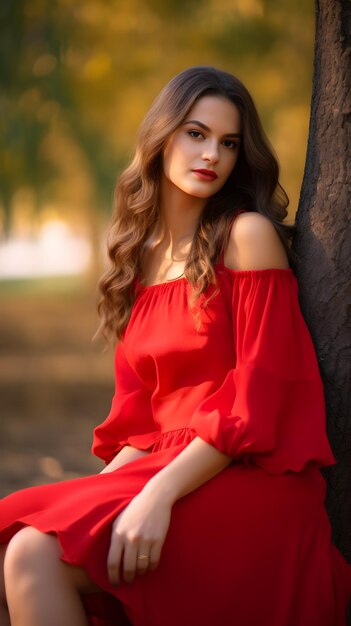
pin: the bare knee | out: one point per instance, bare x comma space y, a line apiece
32, 554
3, 548
28, 550
28, 559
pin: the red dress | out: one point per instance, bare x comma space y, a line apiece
253, 544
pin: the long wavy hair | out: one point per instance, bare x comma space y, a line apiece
253, 185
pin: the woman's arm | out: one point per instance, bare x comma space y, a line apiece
142, 526
195, 465
124, 456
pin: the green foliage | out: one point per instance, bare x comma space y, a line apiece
78, 75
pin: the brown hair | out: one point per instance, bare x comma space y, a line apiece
253, 185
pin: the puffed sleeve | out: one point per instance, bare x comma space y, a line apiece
269, 409
130, 420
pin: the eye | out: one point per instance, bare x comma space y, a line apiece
195, 134
232, 145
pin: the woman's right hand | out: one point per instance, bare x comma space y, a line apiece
140, 529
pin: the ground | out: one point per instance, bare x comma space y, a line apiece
55, 383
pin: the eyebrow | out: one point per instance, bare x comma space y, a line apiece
207, 128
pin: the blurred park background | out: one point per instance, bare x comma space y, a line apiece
76, 78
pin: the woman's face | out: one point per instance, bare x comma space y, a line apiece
199, 156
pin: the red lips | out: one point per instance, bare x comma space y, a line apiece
206, 174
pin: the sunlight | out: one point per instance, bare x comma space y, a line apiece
56, 251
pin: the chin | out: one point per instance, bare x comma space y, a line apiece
199, 193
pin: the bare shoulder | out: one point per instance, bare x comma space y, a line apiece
254, 243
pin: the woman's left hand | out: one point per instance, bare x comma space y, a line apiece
140, 529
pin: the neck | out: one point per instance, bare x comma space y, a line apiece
179, 216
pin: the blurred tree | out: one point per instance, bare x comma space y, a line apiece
323, 243
77, 76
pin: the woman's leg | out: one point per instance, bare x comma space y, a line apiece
40, 588
4, 616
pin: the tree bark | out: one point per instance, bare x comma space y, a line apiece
323, 243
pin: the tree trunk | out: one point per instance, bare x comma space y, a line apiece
323, 244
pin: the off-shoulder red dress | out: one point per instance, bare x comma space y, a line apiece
253, 544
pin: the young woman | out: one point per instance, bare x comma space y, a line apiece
211, 506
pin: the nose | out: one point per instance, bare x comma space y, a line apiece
210, 153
